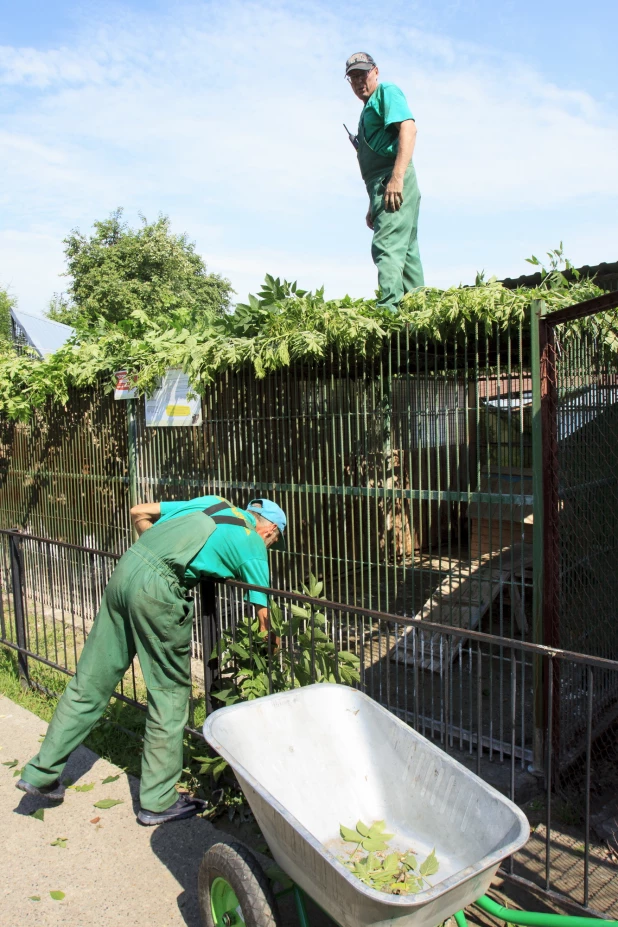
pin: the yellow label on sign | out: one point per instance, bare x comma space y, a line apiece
178, 411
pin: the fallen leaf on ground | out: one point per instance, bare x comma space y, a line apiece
60, 842
95, 820
87, 787
110, 779
11, 763
18, 772
106, 803
57, 896
34, 898
38, 815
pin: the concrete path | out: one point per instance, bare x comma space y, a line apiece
113, 872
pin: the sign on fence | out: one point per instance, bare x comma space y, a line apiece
173, 403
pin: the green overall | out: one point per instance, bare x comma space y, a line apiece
394, 248
145, 610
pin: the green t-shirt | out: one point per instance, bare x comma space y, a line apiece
231, 552
386, 105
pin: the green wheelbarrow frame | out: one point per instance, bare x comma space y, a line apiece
521, 918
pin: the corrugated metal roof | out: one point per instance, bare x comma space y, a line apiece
605, 275
43, 334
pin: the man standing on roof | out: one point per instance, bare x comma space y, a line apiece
146, 610
385, 144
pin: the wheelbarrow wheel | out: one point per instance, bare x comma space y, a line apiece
233, 889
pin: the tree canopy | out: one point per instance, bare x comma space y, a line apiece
118, 271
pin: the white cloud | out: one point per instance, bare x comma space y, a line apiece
229, 118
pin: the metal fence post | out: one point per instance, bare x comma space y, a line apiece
537, 309
210, 637
17, 577
132, 449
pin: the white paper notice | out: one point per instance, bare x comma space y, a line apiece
174, 403
124, 389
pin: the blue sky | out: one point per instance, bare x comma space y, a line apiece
227, 117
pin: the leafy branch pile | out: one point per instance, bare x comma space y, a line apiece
141, 300
395, 873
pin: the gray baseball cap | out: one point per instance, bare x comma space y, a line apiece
359, 61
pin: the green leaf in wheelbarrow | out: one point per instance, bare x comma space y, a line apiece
350, 836
431, 865
106, 803
375, 844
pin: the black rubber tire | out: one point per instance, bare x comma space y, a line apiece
238, 866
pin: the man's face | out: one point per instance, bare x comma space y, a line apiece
363, 83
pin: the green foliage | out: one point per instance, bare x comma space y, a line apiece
395, 873
6, 303
127, 320
251, 669
118, 272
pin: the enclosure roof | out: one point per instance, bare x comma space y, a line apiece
43, 334
605, 275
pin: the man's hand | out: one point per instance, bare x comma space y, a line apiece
264, 620
369, 220
393, 194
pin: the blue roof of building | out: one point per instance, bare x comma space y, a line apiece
43, 334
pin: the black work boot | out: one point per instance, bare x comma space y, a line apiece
184, 807
55, 791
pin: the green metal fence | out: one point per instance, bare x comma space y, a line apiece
579, 386
406, 479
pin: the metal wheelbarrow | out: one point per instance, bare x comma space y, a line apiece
312, 758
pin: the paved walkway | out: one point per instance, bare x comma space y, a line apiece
113, 872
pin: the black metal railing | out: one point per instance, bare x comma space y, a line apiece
50, 592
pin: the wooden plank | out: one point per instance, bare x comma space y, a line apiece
461, 600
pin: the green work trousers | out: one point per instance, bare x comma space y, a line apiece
394, 248
145, 610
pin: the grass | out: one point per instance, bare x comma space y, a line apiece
117, 737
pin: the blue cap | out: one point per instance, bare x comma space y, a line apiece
271, 512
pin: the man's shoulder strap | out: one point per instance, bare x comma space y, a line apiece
212, 511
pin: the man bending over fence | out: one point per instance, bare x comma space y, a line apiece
146, 610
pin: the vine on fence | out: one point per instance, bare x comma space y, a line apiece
281, 325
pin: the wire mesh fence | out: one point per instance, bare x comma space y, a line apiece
580, 601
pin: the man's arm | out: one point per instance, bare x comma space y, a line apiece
393, 195
262, 614
144, 516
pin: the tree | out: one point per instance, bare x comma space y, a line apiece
118, 270
6, 302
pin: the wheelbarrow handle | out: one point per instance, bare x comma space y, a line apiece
529, 918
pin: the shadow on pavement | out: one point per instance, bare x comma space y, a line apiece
80, 762
181, 845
